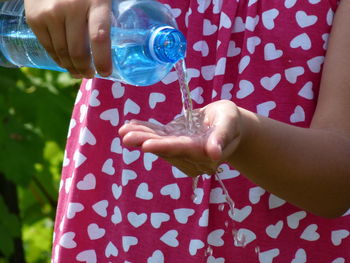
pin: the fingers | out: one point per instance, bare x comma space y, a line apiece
38, 22
225, 135
99, 32
44, 38
142, 127
175, 146
158, 142
78, 47
57, 32
67, 29
137, 138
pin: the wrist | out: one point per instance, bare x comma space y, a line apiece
247, 133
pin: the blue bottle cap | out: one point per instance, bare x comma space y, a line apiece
167, 44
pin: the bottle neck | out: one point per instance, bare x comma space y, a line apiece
167, 44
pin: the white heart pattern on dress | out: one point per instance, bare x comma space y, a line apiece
158, 218
269, 255
67, 240
245, 235
338, 236
111, 115
87, 256
195, 245
171, 190
268, 18
305, 20
303, 41
128, 175
265, 108
294, 219
74, 208
95, 232
129, 241
88, 182
142, 192
300, 256
157, 257
101, 208
108, 167
298, 115
215, 238
182, 214
201, 46
118, 90
273, 231
117, 216
245, 89
111, 250
169, 238
270, 83
271, 52
306, 91
310, 233
203, 220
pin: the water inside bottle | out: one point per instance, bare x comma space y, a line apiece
19, 45
131, 60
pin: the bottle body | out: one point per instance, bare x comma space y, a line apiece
133, 25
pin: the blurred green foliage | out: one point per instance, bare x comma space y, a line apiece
35, 109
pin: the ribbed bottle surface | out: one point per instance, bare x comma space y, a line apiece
144, 39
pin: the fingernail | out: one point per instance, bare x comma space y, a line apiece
105, 74
89, 76
77, 76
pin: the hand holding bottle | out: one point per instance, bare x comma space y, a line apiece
74, 32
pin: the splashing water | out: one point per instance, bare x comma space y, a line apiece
209, 251
194, 126
192, 122
194, 187
226, 193
180, 68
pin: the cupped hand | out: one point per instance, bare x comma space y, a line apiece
72, 30
214, 137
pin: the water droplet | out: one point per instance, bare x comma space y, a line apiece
219, 170
239, 238
194, 197
208, 251
180, 68
226, 224
257, 249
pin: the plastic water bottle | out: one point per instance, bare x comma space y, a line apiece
144, 39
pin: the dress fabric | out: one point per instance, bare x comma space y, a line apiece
117, 204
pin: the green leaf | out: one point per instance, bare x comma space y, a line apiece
35, 109
6, 242
37, 239
9, 229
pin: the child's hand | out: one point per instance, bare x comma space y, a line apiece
201, 152
67, 29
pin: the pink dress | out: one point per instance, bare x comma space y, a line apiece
117, 204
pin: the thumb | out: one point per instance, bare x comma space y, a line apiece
223, 139
214, 147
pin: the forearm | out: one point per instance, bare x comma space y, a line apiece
307, 167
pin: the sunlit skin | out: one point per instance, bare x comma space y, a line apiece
193, 154
67, 28
308, 167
